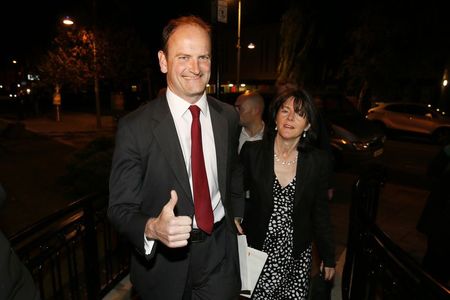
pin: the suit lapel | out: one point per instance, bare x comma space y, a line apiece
166, 136
303, 171
268, 171
220, 130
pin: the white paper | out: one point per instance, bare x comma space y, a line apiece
251, 263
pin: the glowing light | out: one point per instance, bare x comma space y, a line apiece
251, 46
67, 21
444, 82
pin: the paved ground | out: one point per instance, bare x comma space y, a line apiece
33, 160
31, 163
398, 213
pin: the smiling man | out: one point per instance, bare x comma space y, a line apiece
176, 184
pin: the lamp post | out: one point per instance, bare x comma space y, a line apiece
238, 46
96, 89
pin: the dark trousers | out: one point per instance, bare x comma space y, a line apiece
214, 267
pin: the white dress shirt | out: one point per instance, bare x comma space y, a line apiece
182, 117
246, 137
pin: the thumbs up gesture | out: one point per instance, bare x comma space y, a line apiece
171, 230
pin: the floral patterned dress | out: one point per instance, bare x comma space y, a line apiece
283, 276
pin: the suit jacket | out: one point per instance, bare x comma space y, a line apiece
311, 217
16, 282
147, 164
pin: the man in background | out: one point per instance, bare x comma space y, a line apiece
250, 106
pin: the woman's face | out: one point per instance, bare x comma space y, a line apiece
290, 125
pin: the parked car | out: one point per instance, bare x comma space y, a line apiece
354, 139
415, 118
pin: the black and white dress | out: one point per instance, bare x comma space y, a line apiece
283, 276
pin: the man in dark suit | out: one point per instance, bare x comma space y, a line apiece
153, 198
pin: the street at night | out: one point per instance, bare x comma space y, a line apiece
89, 98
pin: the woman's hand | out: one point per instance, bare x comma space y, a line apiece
328, 273
238, 221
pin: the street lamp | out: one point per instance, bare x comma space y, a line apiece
67, 21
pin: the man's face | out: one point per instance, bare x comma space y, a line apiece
187, 62
245, 110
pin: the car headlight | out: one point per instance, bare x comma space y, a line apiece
361, 146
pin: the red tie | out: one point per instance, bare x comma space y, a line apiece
202, 200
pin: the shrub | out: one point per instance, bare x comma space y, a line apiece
89, 168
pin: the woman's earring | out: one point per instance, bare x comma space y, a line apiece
276, 128
305, 130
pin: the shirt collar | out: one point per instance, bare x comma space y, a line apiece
178, 106
257, 135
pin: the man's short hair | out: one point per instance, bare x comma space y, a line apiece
255, 99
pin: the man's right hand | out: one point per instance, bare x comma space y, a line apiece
171, 230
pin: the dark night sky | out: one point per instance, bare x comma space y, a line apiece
27, 27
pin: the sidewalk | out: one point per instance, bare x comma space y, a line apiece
32, 161
74, 129
123, 289
396, 217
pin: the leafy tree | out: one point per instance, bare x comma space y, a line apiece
70, 61
397, 50
127, 58
368, 49
120, 57
296, 38
313, 43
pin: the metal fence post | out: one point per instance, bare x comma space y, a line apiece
91, 252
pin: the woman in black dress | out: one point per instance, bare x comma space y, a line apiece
287, 208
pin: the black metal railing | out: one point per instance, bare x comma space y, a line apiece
74, 253
375, 267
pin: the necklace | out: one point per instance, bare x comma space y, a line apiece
285, 162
